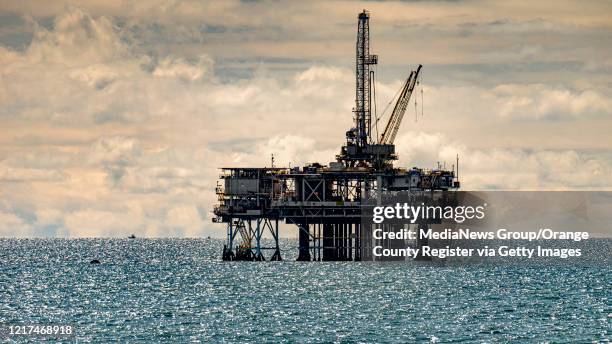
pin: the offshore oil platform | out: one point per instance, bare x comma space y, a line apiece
325, 201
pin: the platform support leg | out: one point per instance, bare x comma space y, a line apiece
357, 242
303, 243
258, 234
228, 248
274, 231
329, 249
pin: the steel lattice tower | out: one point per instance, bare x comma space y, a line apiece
363, 96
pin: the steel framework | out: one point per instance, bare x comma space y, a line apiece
325, 202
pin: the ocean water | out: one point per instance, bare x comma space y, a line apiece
164, 290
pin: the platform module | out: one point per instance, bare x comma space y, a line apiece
324, 201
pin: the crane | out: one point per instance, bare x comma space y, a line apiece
388, 135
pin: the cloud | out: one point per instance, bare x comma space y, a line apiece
186, 219
115, 150
12, 226
542, 101
506, 168
519, 102
179, 68
77, 39
109, 129
288, 150
8, 174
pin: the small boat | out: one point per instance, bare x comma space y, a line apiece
132, 236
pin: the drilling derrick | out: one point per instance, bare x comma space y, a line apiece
363, 95
361, 150
324, 202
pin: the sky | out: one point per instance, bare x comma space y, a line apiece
115, 116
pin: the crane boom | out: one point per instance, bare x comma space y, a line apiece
388, 135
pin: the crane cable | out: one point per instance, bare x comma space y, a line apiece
378, 118
391, 101
422, 102
389, 104
416, 113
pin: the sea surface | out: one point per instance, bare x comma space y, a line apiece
178, 290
